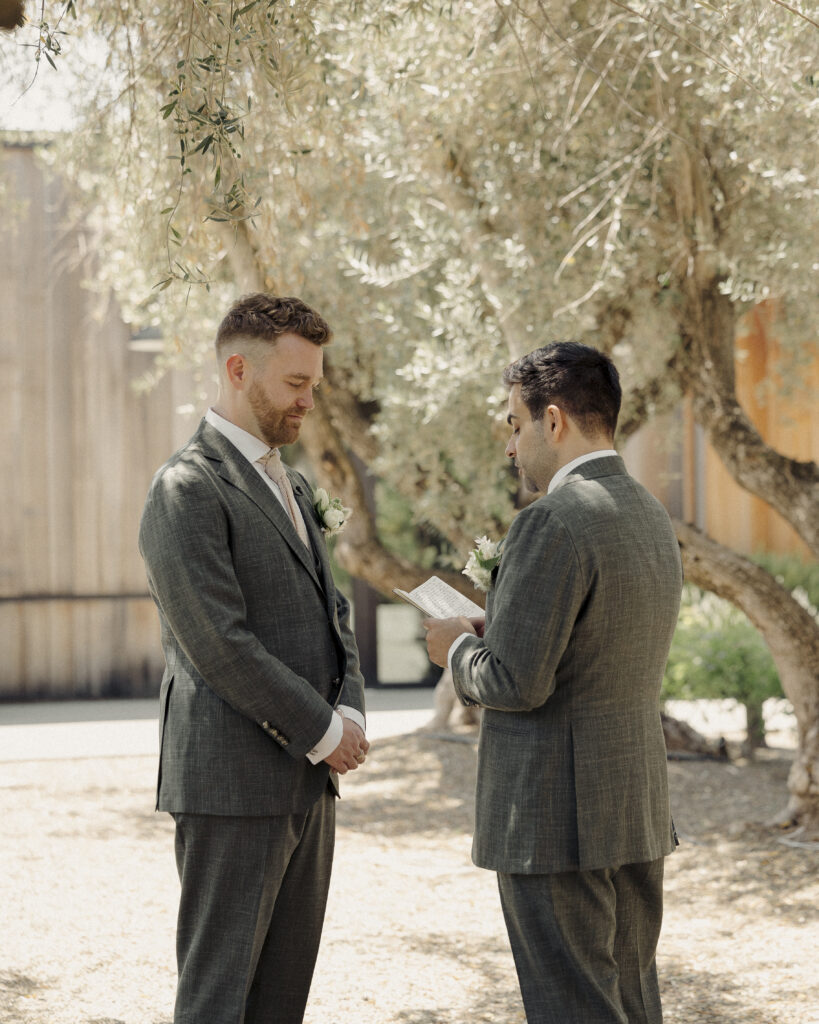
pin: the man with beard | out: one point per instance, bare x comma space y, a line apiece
572, 795
262, 701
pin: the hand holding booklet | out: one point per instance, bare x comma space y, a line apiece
438, 600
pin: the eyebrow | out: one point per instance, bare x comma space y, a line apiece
511, 417
303, 376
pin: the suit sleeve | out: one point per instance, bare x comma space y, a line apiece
352, 692
184, 541
539, 593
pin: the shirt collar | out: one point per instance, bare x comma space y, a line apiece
252, 447
564, 471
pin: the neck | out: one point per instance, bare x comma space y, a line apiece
237, 416
586, 446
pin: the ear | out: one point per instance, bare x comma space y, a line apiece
555, 422
238, 371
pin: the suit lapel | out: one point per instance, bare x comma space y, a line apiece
237, 471
304, 499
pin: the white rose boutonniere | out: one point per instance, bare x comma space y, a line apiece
332, 514
482, 560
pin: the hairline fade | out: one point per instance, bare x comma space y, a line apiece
261, 319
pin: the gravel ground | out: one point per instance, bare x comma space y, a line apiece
414, 933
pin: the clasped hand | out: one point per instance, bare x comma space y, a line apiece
352, 751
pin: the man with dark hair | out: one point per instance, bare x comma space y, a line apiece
262, 702
572, 795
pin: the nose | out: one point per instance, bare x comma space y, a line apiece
510, 449
305, 400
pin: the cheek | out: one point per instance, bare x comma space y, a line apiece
278, 398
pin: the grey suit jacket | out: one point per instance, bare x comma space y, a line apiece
572, 759
256, 637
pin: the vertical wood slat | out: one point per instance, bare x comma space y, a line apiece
80, 450
789, 422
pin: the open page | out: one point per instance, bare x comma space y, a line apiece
440, 601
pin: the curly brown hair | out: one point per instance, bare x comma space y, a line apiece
262, 317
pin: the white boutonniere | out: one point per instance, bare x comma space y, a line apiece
482, 560
332, 514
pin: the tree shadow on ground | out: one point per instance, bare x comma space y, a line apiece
694, 996
720, 810
711, 794
412, 784
754, 869
14, 989
496, 998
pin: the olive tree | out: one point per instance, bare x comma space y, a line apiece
454, 184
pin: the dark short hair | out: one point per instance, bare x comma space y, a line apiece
265, 317
580, 379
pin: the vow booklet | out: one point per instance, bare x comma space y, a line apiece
438, 600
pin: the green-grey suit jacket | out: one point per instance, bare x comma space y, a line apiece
572, 759
256, 637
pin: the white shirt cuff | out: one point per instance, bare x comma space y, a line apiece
328, 742
353, 715
456, 643
331, 739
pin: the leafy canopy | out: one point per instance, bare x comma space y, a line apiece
451, 184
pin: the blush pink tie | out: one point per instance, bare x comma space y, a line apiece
274, 467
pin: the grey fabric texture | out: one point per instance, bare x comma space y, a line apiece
584, 943
258, 651
572, 759
257, 640
239, 963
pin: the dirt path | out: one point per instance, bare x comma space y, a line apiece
414, 933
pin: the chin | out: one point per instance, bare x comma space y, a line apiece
283, 433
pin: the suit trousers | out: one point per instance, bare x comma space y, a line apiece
251, 910
584, 943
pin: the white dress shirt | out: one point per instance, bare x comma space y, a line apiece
561, 474
253, 449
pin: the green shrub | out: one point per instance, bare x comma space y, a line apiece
794, 573
716, 653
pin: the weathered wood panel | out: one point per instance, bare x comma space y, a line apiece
672, 458
80, 450
789, 421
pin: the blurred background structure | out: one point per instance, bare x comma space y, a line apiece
81, 447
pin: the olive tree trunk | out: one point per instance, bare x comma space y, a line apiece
791, 633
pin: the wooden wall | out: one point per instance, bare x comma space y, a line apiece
788, 422
672, 458
80, 450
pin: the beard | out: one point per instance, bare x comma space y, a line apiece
528, 483
273, 424
538, 468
